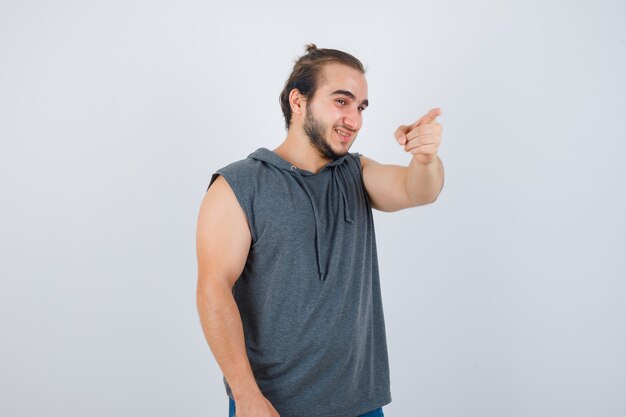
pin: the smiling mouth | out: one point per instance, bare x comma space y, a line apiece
343, 135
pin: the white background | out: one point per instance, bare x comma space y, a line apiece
503, 298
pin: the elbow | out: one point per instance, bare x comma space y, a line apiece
424, 201
203, 298
435, 198
211, 290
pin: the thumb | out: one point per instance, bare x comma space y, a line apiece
401, 134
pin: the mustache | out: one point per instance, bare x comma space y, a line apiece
344, 127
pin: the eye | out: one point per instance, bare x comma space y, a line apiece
361, 108
341, 101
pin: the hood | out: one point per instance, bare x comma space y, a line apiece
270, 157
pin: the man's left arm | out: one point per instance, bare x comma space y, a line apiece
393, 187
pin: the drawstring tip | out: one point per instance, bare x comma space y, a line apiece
322, 276
349, 220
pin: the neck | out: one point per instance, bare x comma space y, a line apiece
297, 150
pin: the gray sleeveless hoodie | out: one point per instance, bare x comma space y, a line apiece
309, 295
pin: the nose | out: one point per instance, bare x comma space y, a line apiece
352, 119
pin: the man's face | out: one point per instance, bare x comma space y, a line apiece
334, 115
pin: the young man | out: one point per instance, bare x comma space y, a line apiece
288, 286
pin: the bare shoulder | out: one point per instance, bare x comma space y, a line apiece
223, 237
367, 164
219, 197
366, 161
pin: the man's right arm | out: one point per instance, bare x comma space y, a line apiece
222, 244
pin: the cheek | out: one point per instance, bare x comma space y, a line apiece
335, 113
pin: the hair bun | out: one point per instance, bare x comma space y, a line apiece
310, 48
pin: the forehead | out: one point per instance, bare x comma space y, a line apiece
342, 77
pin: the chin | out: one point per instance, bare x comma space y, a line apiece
341, 150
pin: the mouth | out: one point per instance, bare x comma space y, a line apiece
343, 135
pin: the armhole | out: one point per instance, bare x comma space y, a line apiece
240, 199
357, 155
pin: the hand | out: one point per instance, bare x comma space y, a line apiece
422, 138
254, 406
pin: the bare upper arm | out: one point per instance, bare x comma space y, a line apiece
385, 185
223, 237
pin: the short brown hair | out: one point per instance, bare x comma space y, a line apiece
307, 71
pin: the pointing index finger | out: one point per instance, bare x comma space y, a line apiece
428, 117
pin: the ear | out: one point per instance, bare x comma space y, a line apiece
297, 101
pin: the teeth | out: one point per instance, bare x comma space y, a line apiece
341, 133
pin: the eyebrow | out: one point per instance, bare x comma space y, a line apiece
350, 95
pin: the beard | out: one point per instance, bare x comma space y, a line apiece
314, 129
